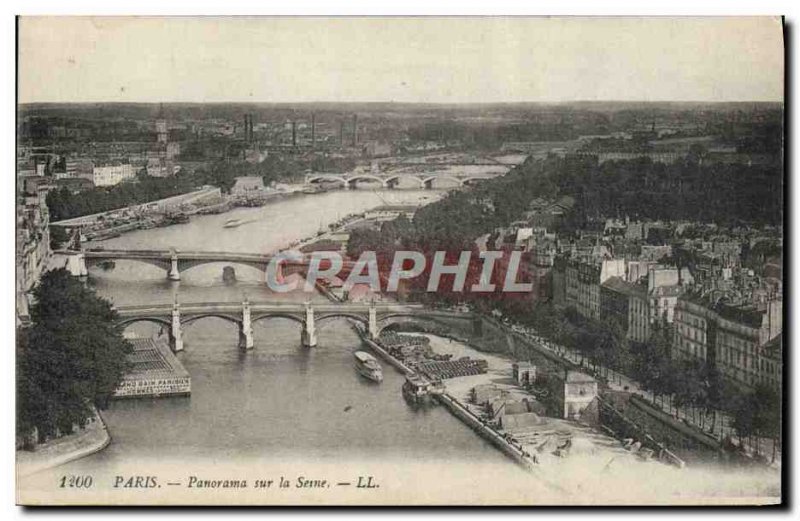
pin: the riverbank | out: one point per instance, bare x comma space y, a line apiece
167, 212
460, 411
89, 440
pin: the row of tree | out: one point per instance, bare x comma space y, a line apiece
690, 386
63, 204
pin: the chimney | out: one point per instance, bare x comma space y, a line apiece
294, 133
246, 128
313, 130
355, 130
341, 133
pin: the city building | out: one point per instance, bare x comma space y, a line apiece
548, 214
615, 299
248, 185
111, 174
664, 285
583, 277
638, 314
572, 392
542, 251
32, 245
161, 156
738, 339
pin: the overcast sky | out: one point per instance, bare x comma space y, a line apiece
405, 60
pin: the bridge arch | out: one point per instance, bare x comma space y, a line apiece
391, 319
158, 263
125, 322
472, 179
326, 318
352, 180
397, 177
326, 177
430, 179
265, 316
194, 318
186, 265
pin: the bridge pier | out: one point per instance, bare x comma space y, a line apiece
246, 328
176, 332
174, 273
372, 327
309, 335
76, 265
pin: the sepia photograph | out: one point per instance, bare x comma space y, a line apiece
400, 261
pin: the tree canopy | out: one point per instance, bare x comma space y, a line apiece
72, 356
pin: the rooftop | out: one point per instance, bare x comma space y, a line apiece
618, 285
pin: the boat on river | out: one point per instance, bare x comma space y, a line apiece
233, 223
418, 389
367, 366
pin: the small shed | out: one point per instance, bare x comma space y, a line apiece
524, 373
485, 393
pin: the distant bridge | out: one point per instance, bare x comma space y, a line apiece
374, 316
390, 180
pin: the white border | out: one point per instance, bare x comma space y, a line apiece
345, 8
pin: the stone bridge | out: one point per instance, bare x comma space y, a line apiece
174, 262
374, 317
390, 180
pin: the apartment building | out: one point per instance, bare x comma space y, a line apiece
741, 340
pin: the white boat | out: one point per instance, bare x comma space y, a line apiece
368, 367
233, 223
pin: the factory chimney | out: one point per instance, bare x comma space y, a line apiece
355, 130
313, 130
294, 133
248, 128
341, 133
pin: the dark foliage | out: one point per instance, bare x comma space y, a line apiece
72, 356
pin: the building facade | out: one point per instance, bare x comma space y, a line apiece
112, 174
32, 246
738, 340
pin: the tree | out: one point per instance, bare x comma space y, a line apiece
744, 416
767, 420
713, 383
689, 388
71, 357
58, 236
